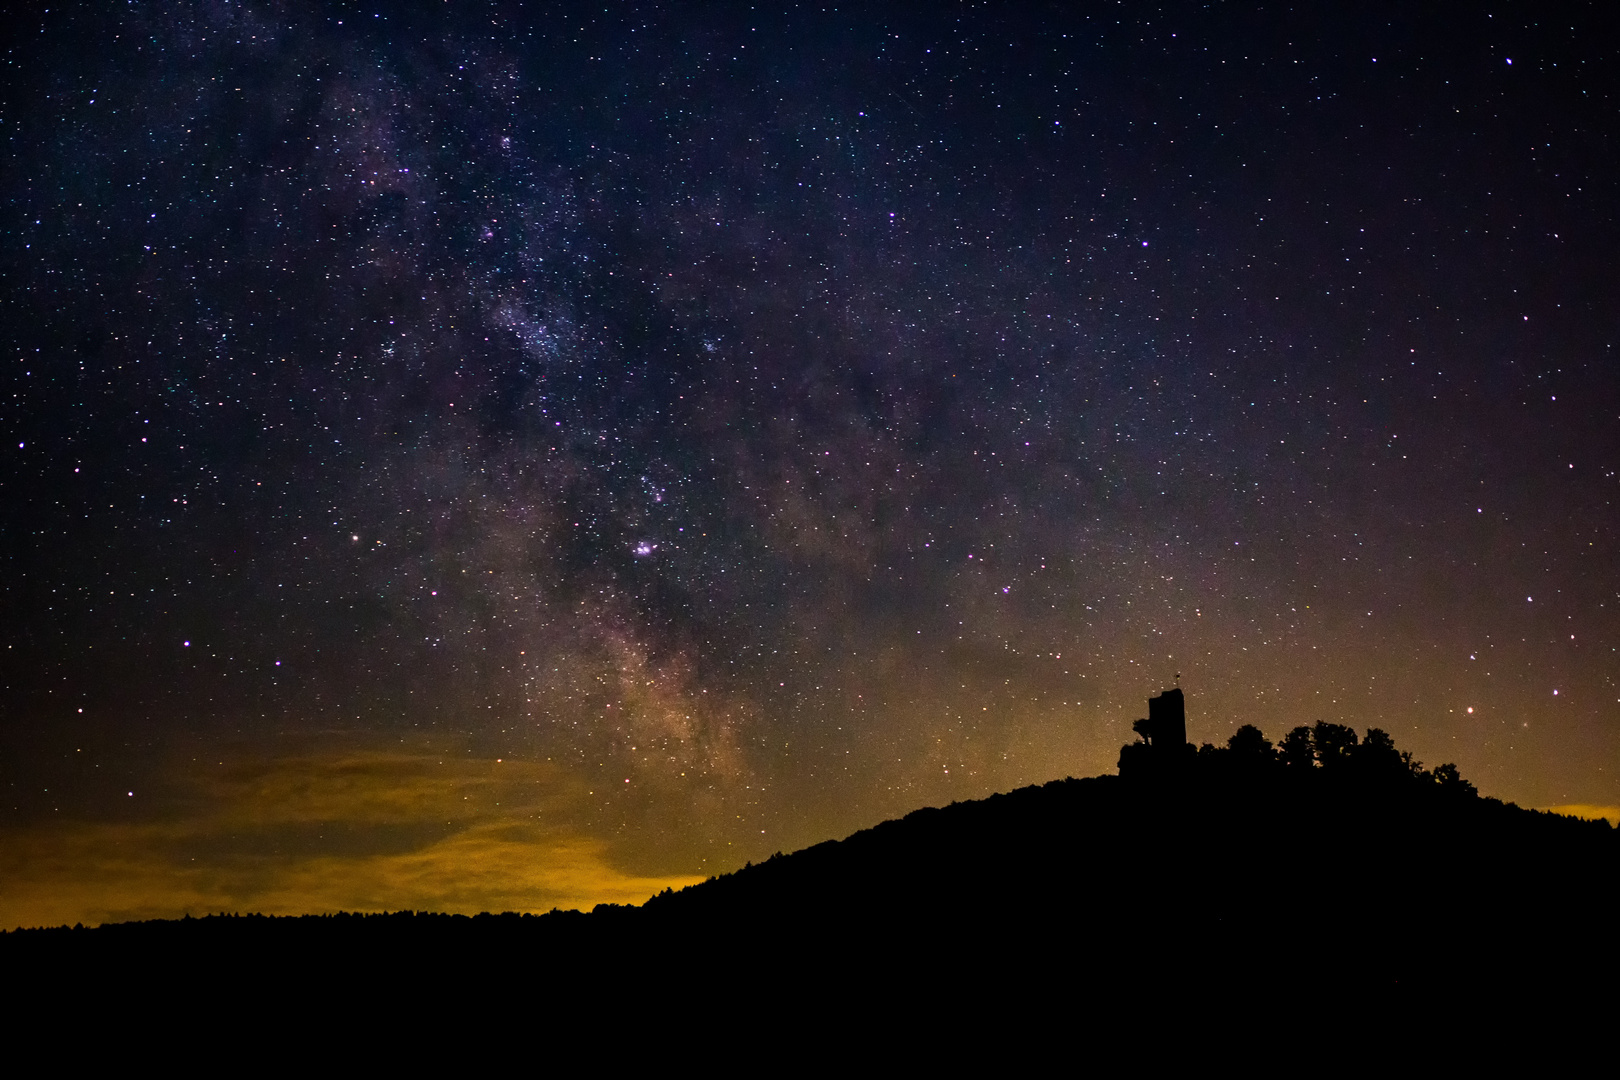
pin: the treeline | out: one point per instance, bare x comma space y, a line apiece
1322, 750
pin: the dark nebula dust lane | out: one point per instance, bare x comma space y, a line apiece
526, 455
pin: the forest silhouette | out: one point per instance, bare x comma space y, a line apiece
1328, 868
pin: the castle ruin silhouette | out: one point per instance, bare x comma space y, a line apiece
1165, 728
1163, 742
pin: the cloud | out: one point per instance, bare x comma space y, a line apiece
322, 832
1611, 814
382, 787
488, 867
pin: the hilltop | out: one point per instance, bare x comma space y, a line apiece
1330, 866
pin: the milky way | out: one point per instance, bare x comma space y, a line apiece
574, 451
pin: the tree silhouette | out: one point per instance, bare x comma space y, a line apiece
1451, 781
1334, 744
1250, 742
1297, 750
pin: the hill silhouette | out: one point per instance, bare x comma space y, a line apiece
1329, 869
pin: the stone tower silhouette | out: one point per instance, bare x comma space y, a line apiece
1166, 726
1163, 745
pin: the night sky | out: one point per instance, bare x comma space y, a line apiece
496, 456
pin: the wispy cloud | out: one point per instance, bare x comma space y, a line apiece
328, 831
